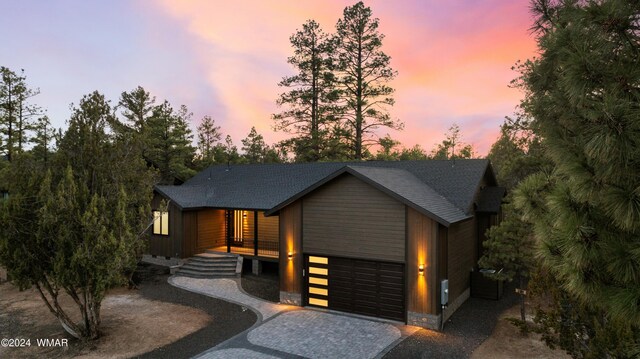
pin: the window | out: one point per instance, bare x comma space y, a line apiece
161, 223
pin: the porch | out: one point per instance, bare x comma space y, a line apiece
245, 232
267, 250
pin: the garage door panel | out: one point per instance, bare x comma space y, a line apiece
366, 287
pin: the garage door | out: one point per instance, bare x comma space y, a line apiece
356, 286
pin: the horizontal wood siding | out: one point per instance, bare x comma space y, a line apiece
268, 228
211, 229
291, 241
349, 218
461, 256
422, 233
248, 225
166, 246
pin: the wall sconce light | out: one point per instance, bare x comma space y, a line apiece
421, 269
290, 255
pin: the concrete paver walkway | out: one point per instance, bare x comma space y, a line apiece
284, 331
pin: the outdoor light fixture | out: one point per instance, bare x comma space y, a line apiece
290, 255
421, 269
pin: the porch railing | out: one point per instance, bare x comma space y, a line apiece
248, 246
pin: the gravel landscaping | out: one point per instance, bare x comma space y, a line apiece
467, 328
264, 286
228, 319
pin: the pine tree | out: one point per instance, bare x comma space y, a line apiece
16, 113
208, 137
583, 94
311, 101
168, 143
452, 146
254, 147
43, 140
137, 106
364, 73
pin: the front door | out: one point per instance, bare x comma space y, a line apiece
239, 219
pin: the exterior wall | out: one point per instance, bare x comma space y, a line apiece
212, 228
291, 241
171, 245
462, 245
349, 218
268, 228
422, 249
190, 233
248, 225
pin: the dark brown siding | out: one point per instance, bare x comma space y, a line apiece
461, 257
268, 228
190, 233
211, 229
422, 233
443, 259
291, 241
166, 246
350, 218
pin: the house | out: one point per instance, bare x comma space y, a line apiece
395, 240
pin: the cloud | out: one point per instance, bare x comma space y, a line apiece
453, 59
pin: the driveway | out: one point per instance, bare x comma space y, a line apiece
284, 331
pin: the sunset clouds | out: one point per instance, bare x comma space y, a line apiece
225, 59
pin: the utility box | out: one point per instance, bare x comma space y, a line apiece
444, 292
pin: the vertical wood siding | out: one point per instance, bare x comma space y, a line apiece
190, 233
350, 218
166, 246
422, 248
291, 240
462, 252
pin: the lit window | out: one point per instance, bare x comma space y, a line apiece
161, 223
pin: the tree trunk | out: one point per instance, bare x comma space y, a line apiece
523, 316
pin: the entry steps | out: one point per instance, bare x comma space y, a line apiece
212, 265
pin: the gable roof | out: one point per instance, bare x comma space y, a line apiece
444, 190
490, 199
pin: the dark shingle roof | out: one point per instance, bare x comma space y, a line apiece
444, 188
490, 199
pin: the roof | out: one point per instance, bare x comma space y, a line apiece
442, 189
490, 199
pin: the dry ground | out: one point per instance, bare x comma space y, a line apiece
131, 325
507, 342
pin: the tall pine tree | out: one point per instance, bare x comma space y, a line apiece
583, 92
364, 75
168, 143
311, 101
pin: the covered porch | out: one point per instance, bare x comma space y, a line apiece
245, 232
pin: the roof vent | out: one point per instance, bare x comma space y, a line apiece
228, 166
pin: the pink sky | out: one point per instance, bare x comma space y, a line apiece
225, 59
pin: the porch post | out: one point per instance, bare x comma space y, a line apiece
229, 229
255, 233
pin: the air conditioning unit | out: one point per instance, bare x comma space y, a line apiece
444, 292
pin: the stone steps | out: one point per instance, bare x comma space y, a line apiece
212, 265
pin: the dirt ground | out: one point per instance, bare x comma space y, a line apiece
131, 325
507, 342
